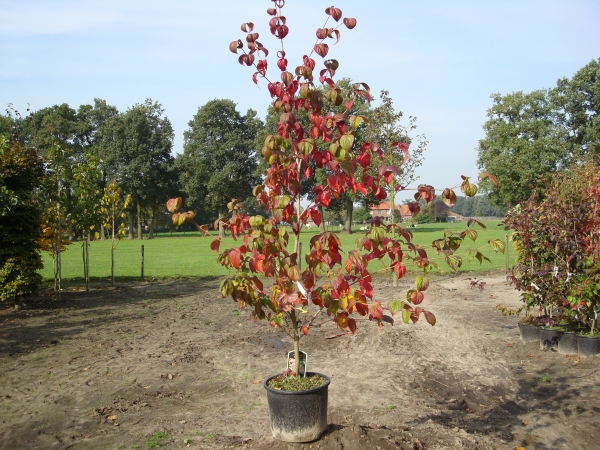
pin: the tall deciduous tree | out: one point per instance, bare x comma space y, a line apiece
387, 130
532, 135
136, 149
21, 172
219, 161
578, 102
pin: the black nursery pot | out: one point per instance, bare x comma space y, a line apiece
298, 416
588, 345
568, 343
529, 332
549, 338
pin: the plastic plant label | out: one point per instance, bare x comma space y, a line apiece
291, 363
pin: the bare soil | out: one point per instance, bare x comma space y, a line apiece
173, 365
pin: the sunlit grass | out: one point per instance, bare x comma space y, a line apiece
189, 255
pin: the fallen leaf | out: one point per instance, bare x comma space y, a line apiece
113, 417
147, 387
564, 362
525, 423
246, 440
257, 382
483, 406
519, 448
530, 355
509, 345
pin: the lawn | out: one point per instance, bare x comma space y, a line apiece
189, 255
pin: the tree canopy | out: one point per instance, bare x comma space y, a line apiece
531, 135
219, 159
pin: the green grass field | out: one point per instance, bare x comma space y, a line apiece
189, 255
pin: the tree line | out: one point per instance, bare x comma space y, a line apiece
96, 172
530, 136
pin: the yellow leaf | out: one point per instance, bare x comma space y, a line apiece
525, 423
112, 417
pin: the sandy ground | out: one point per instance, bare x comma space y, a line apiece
173, 365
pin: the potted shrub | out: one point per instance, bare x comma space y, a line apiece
326, 280
557, 241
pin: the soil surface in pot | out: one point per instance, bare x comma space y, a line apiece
172, 364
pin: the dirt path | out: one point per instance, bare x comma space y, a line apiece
172, 365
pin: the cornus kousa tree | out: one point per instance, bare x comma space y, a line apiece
336, 282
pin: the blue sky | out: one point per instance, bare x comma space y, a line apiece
440, 60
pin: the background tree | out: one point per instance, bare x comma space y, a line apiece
112, 208
361, 214
86, 207
530, 136
136, 149
219, 161
478, 206
578, 103
90, 135
386, 129
522, 144
21, 172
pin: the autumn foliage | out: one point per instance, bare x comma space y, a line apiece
335, 281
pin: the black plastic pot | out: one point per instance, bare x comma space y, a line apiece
298, 416
549, 338
588, 345
529, 332
568, 343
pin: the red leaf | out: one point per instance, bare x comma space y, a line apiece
235, 257
233, 47
403, 147
315, 216
364, 159
214, 245
335, 13
304, 330
247, 27
429, 317
352, 325
490, 177
282, 63
174, 204
321, 49
321, 33
350, 23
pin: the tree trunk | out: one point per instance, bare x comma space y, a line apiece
348, 216
73, 235
322, 212
151, 225
58, 272
139, 222
393, 219
221, 229
102, 232
131, 222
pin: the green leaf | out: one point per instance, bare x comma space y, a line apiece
346, 141
256, 221
405, 316
355, 121
394, 306
497, 245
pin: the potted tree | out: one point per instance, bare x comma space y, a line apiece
326, 280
